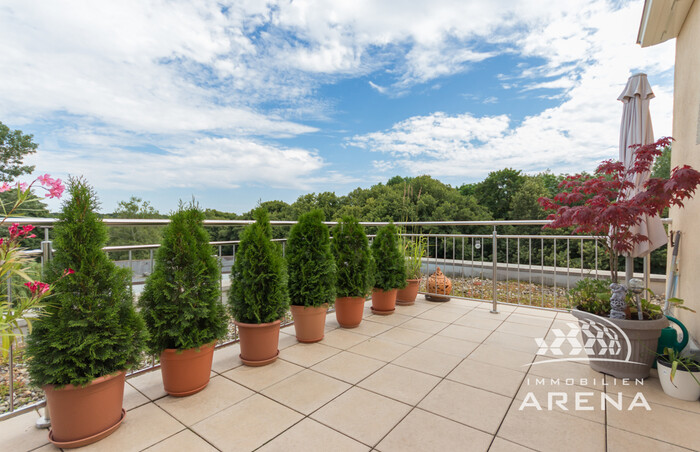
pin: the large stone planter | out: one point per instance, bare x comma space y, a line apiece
621, 348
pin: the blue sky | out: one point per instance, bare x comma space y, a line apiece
236, 101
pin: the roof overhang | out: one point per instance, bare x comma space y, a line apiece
662, 20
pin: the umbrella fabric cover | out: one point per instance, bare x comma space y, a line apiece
636, 129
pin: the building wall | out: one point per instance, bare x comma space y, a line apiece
686, 151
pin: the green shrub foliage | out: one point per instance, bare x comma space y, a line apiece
258, 291
390, 271
353, 259
91, 328
310, 263
181, 302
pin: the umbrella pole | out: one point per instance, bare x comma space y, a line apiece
629, 269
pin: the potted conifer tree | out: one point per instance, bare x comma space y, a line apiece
91, 334
353, 259
390, 270
258, 297
311, 269
181, 304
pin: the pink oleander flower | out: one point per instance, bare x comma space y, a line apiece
19, 233
55, 186
68, 271
5, 187
37, 287
23, 186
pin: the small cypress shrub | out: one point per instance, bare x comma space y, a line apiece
91, 328
389, 261
258, 292
310, 263
181, 302
353, 259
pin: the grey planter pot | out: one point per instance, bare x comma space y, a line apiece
621, 348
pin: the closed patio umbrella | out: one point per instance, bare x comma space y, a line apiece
636, 129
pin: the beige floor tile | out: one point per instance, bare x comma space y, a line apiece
471, 406
501, 445
393, 319
404, 336
342, 338
259, 378
486, 314
421, 431
380, 349
185, 441
20, 434
581, 373
405, 385
287, 340
428, 361
502, 308
311, 436
414, 310
46, 448
521, 329
226, 358
653, 392
466, 333
530, 320
512, 341
247, 425
503, 357
565, 316
441, 315
661, 422
149, 384
487, 376
221, 393
424, 325
369, 328
142, 427
480, 322
348, 366
306, 391
449, 345
536, 312
133, 398
362, 415
552, 431
588, 398
331, 322
306, 355
622, 441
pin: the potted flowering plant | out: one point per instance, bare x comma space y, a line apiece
181, 304
91, 334
598, 205
311, 270
14, 263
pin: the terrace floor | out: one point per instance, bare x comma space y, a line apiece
433, 376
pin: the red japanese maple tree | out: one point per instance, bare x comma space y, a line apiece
600, 204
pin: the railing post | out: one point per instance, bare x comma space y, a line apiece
494, 275
11, 355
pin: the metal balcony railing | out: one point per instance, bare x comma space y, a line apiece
535, 269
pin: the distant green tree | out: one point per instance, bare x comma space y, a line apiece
662, 164
497, 190
14, 147
134, 208
524, 205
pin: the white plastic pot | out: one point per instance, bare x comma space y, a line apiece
683, 387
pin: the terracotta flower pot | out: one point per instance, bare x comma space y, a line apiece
82, 415
309, 322
187, 372
348, 311
383, 301
259, 342
407, 295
